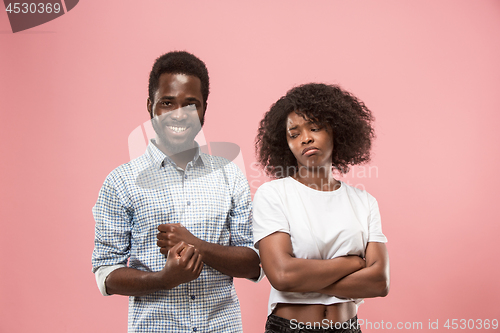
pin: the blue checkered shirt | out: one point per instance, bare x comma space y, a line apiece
211, 198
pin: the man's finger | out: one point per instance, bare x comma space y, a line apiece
166, 227
199, 264
162, 243
188, 251
177, 248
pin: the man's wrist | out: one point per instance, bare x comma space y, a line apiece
200, 245
159, 281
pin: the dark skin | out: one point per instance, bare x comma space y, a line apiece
235, 261
177, 111
178, 108
344, 277
184, 264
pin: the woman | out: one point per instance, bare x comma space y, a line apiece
320, 240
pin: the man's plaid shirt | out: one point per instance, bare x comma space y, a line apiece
211, 198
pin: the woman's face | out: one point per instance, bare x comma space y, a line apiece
311, 144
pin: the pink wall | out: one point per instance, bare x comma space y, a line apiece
73, 89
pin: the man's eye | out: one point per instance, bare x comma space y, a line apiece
165, 103
293, 136
190, 107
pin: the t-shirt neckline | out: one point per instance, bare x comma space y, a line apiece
339, 190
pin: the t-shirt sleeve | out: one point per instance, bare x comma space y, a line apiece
268, 214
375, 223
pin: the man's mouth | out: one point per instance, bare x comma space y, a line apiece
177, 129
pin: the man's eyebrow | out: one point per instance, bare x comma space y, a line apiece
292, 128
189, 99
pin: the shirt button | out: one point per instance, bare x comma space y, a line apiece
186, 176
193, 297
194, 329
189, 203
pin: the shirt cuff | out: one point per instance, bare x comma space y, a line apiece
102, 273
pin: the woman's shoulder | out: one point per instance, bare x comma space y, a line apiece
356, 192
274, 185
272, 188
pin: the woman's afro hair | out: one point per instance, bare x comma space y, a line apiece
328, 106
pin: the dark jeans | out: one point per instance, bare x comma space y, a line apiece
277, 324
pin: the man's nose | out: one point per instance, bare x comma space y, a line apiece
178, 114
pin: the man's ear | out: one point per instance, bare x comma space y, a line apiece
202, 120
150, 108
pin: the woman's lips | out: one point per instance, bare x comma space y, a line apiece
309, 151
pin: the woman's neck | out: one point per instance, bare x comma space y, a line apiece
320, 179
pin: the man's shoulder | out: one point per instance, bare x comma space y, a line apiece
129, 170
214, 159
218, 162
226, 172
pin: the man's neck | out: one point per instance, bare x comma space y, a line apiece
182, 158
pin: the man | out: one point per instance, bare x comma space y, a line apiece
180, 279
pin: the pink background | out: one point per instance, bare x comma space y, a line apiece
73, 89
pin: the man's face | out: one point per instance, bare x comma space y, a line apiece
177, 111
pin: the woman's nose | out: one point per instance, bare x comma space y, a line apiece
306, 137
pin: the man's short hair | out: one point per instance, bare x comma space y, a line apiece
178, 62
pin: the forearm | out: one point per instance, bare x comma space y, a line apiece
235, 261
132, 282
372, 281
365, 283
309, 275
184, 263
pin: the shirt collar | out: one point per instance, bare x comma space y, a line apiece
159, 158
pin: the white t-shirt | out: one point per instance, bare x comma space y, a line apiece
321, 225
